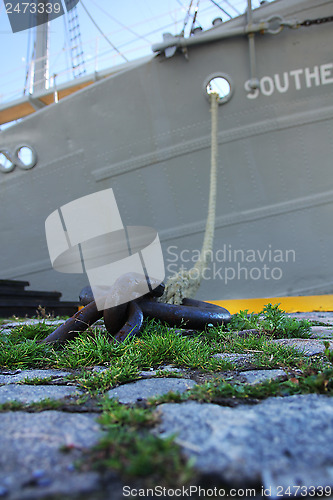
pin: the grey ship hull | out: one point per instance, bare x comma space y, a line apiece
145, 132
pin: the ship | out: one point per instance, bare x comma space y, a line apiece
143, 128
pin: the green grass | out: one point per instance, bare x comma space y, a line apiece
45, 404
89, 350
37, 331
158, 345
25, 354
271, 321
35, 381
144, 456
129, 448
128, 445
115, 414
327, 352
217, 391
166, 346
121, 371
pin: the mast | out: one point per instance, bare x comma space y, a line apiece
41, 76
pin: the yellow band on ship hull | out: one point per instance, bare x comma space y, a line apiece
305, 303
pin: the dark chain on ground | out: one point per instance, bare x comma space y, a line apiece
319, 20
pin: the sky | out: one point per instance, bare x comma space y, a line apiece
131, 26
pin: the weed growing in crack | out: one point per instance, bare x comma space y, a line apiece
271, 321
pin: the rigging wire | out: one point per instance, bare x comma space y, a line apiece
195, 16
101, 32
187, 18
236, 10
77, 53
153, 32
27, 66
65, 50
219, 6
118, 22
159, 29
66, 40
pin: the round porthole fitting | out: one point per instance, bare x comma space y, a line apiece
6, 164
220, 84
26, 156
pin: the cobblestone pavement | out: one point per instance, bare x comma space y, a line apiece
276, 443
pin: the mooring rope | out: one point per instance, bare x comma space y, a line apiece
186, 283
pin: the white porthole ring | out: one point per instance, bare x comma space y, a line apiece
11, 159
21, 164
7, 157
87, 235
225, 96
